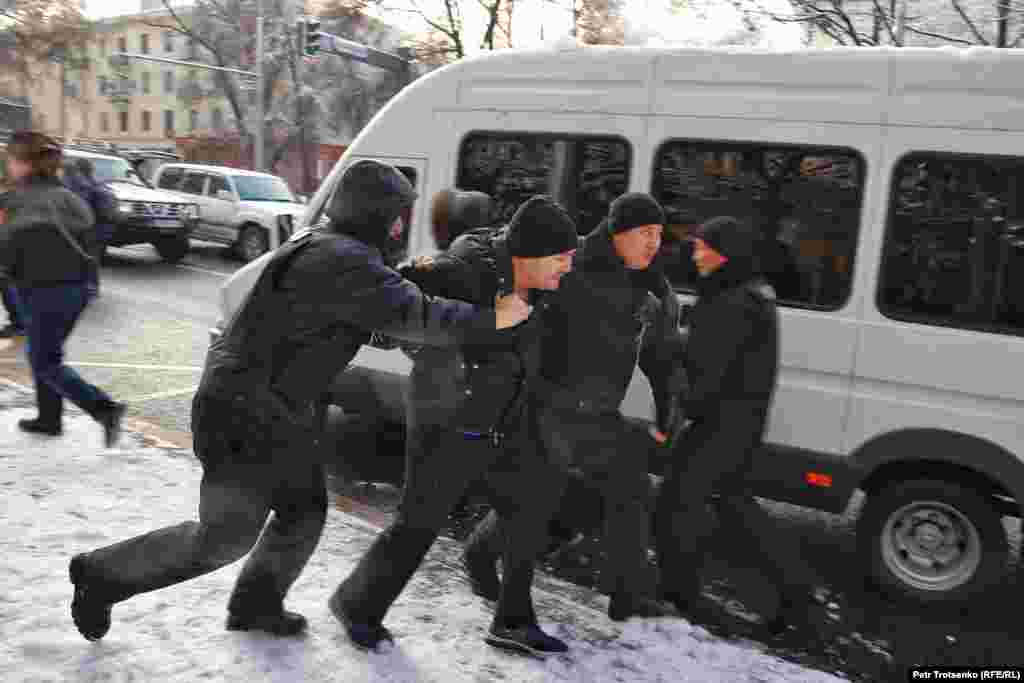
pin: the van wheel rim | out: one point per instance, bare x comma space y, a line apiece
931, 546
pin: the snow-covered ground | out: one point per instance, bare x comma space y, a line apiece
66, 495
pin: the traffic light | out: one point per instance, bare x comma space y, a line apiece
311, 37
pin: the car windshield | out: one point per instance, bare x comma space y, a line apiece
109, 170
257, 188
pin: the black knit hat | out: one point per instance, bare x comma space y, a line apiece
541, 227
738, 242
633, 210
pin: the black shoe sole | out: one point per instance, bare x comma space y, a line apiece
30, 427
342, 616
517, 647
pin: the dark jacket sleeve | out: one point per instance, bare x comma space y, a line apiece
374, 297
662, 361
733, 325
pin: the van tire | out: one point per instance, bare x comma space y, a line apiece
957, 551
172, 249
252, 242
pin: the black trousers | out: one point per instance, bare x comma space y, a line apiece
243, 482
440, 464
684, 523
613, 456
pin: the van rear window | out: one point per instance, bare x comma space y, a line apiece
954, 243
583, 173
804, 201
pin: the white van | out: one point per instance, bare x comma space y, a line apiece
889, 184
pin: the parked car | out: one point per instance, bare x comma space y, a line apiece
145, 215
249, 211
888, 193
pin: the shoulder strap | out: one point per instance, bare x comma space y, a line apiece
52, 205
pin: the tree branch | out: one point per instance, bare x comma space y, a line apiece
970, 24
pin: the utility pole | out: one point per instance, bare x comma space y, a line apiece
258, 146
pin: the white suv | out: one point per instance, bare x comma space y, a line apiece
249, 211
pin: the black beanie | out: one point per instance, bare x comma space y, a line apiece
541, 227
736, 241
633, 210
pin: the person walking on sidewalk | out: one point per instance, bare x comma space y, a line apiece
44, 252
313, 306
466, 421
611, 313
732, 362
79, 178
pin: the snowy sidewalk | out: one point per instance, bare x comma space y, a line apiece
66, 495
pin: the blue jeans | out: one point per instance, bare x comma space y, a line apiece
49, 315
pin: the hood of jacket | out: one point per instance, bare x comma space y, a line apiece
370, 197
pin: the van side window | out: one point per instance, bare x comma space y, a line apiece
583, 173
954, 244
171, 178
804, 201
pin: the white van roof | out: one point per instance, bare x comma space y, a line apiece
976, 87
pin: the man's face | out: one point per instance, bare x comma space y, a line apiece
706, 258
545, 272
638, 246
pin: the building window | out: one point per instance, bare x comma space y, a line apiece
101, 85
145, 82
218, 118
803, 201
147, 121
954, 243
122, 44
123, 116
144, 43
104, 122
168, 41
193, 120
168, 82
169, 121
584, 174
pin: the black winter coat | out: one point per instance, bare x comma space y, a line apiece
33, 253
603, 321
732, 364
315, 305
481, 384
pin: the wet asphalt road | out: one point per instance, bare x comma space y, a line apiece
145, 341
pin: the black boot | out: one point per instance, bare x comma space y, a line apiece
366, 636
89, 610
110, 417
622, 607
529, 640
37, 426
283, 623
483, 574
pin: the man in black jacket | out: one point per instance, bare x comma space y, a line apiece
731, 361
611, 313
314, 305
466, 421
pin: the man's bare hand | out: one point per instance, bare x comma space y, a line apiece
423, 262
510, 310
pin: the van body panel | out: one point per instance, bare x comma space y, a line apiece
800, 86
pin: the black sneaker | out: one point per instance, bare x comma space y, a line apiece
37, 426
11, 331
283, 623
89, 611
621, 608
528, 640
111, 418
365, 636
483, 575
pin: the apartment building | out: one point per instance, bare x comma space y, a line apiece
138, 103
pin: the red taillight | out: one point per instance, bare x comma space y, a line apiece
818, 479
